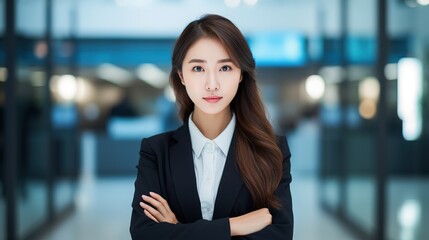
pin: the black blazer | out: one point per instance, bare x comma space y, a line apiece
166, 167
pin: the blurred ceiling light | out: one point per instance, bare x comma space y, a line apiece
368, 108
114, 74
315, 86
369, 88
169, 93
391, 71
67, 87
410, 84
3, 74
232, 3
423, 2
409, 214
152, 75
251, 2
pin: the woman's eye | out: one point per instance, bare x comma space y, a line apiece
225, 68
197, 69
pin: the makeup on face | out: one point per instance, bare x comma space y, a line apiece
210, 76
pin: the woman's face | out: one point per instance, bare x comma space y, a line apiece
210, 77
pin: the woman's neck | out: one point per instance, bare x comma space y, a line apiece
211, 125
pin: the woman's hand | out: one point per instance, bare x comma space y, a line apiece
157, 209
250, 223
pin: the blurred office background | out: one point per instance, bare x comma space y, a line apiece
82, 81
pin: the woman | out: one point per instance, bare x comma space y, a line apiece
223, 174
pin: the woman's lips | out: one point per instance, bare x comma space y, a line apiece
212, 99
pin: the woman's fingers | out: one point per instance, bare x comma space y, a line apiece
147, 213
158, 208
161, 200
156, 204
153, 212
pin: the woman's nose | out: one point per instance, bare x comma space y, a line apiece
211, 83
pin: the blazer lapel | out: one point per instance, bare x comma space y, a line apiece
183, 174
230, 185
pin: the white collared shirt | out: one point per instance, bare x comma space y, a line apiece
209, 161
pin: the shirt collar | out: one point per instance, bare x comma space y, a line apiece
223, 141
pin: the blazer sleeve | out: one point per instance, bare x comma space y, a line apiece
142, 227
282, 221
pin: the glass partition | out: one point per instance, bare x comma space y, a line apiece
331, 110
32, 117
349, 114
361, 115
64, 117
408, 125
349, 156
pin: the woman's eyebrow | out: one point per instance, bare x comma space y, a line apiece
225, 60
197, 61
204, 61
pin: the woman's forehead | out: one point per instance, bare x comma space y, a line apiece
207, 48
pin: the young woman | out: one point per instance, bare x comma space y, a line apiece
223, 174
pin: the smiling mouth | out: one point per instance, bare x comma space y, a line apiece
212, 99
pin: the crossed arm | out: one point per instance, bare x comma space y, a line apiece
159, 211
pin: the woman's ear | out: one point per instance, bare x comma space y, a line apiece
181, 77
241, 77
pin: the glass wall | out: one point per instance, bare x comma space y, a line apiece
45, 127
360, 102
332, 109
408, 125
64, 111
33, 114
349, 116
352, 142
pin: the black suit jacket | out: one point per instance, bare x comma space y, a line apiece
166, 167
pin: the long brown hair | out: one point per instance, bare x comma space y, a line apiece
258, 156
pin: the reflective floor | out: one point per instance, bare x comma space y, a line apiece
103, 211
408, 210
